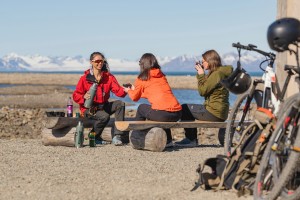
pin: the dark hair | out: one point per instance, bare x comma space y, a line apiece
213, 59
105, 64
147, 62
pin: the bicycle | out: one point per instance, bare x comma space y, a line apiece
264, 92
279, 172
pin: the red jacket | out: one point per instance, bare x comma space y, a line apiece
107, 84
157, 91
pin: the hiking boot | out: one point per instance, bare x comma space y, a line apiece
117, 140
187, 143
169, 144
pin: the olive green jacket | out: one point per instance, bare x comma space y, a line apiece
216, 96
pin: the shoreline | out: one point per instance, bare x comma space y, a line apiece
176, 82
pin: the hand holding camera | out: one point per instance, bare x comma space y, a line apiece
127, 85
199, 67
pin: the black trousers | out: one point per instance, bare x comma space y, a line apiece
196, 111
102, 117
145, 111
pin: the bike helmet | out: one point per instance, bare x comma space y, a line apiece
238, 82
282, 33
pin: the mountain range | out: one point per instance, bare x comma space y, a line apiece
19, 63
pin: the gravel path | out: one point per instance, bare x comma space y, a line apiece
29, 170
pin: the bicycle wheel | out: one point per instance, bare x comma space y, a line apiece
278, 166
236, 114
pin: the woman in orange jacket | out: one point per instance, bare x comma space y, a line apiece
152, 84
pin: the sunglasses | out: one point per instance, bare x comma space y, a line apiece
98, 61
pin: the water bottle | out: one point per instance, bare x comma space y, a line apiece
79, 135
70, 107
92, 141
92, 91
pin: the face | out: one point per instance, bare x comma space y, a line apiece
205, 64
97, 62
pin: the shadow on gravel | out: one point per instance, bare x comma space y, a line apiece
177, 148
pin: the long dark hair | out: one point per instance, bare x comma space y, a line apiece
105, 66
213, 59
147, 62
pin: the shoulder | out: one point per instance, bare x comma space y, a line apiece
108, 75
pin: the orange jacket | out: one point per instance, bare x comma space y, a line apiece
157, 91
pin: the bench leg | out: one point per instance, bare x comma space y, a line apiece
153, 139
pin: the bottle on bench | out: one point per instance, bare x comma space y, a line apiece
70, 107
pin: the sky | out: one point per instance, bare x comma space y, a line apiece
126, 29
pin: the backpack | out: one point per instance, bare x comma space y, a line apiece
238, 171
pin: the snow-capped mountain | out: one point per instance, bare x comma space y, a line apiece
15, 62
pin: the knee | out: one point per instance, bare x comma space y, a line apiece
184, 107
119, 104
102, 117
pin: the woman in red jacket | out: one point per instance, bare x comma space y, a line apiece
101, 108
152, 84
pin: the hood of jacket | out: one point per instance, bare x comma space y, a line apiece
156, 73
225, 70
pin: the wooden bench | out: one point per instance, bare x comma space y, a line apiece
141, 125
149, 135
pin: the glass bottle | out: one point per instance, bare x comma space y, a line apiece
92, 141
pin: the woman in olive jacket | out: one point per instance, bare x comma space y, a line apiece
216, 105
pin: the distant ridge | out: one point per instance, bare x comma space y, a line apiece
15, 62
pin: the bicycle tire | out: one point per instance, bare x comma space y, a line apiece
267, 171
234, 114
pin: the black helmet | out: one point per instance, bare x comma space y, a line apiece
238, 82
282, 33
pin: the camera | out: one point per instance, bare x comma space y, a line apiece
199, 63
127, 85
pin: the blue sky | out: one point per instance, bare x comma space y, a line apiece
127, 29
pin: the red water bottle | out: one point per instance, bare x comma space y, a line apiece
70, 107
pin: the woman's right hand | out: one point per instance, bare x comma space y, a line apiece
199, 68
126, 89
87, 95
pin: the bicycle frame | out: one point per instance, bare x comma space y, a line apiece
272, 95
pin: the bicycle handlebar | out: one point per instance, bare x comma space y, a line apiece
252, 47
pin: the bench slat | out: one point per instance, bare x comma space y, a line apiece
141, 125
129, 124
63, 122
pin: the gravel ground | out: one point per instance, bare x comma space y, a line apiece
29, 170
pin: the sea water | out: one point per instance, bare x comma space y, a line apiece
188, 96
